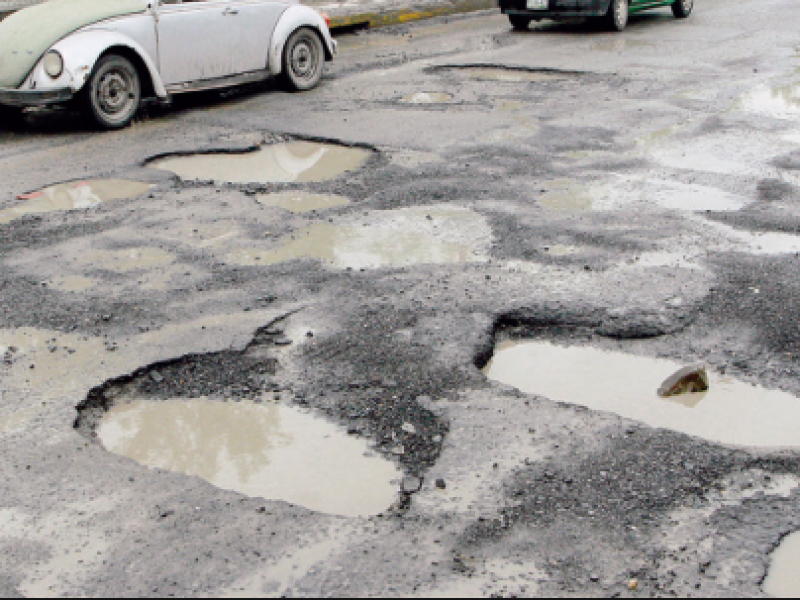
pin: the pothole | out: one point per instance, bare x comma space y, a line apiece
731, 412
76, 195
302, 202
506, 74
428, 98
620, 44
783, 578
74, 283
127, 260
782, 102
287, 162
404, 237
264, 450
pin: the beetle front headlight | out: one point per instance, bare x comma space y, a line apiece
53, 64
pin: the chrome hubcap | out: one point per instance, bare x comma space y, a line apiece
303, 60
114, 94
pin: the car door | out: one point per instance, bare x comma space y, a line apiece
217, 38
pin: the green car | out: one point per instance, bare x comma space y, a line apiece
614, 13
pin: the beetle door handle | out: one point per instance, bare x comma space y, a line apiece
230, 12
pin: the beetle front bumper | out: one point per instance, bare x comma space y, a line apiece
25, 98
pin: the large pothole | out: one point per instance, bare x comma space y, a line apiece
731, 412
295, 161
76, 195
225, 418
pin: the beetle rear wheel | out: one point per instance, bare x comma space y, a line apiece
303, 60
113, 94
682, 8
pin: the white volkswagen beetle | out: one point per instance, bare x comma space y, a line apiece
107, 55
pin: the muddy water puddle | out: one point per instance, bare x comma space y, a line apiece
782, 102
428, 98
731, 412
405, 237
783, 578
288, 162
264, 450
76, 195
303, 202
506, 75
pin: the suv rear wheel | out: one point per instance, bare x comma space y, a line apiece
682, 8
616, 18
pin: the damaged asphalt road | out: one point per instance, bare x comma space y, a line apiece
635, 192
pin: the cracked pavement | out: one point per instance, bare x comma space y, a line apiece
566, 198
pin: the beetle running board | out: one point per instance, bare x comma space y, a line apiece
219, 82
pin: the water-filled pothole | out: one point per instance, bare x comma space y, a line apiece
287, 162
302, 202
506, 74
263, 450
731, 412
782, 102
783, 578
405, 237
76, 195
428, 98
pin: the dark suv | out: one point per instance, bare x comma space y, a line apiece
613, 12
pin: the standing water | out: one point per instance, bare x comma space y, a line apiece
783, 579
265, 450
288, 162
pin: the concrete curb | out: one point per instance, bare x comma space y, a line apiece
381, 14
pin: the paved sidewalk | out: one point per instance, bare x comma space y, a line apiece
372, 13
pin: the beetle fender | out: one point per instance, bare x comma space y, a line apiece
292, 19
82, 50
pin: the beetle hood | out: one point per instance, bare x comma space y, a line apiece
27, 34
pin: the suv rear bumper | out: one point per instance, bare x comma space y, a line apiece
24, 98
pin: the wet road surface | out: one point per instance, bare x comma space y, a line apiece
348, 270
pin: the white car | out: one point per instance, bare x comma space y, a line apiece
107, 55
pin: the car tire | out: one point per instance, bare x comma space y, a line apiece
113, 93
519, 23
682, 8
10, 116
303, 60
616, 18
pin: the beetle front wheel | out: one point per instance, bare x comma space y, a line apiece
682, 8
303, 60
113, 94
